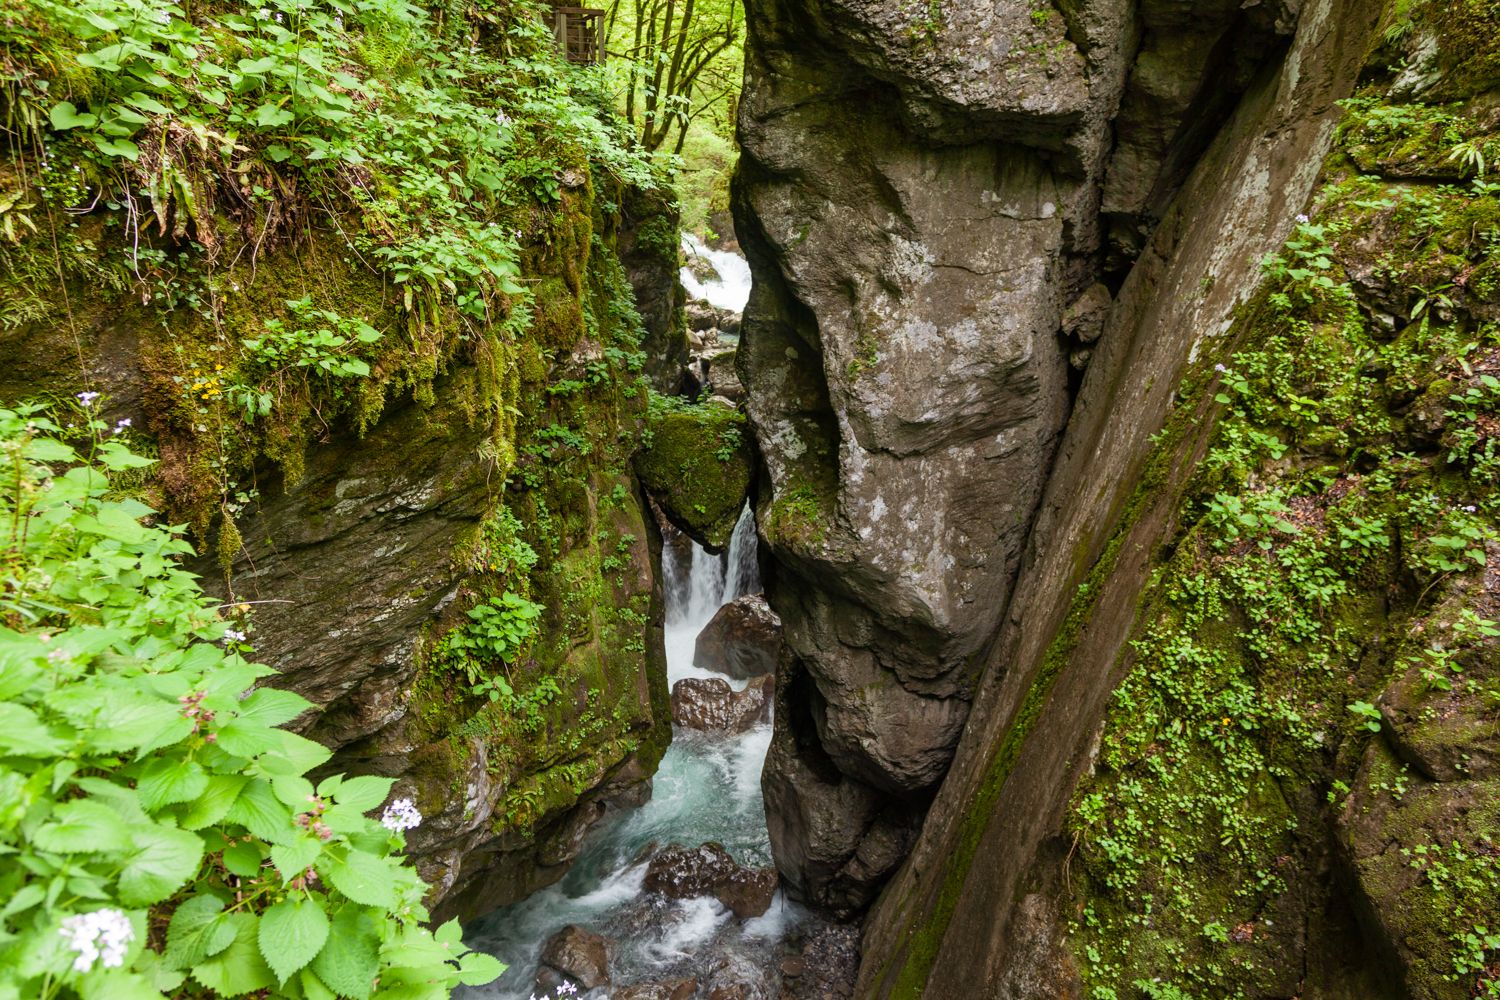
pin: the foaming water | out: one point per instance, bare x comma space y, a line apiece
732, 290
707, 789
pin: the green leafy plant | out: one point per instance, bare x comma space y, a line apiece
159, 827
497, 629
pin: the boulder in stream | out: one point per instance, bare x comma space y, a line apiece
709, 870
710, 703
742, 639
577, 955
676, 989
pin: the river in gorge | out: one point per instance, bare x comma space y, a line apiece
706, 790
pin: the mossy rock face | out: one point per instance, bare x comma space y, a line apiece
698, 467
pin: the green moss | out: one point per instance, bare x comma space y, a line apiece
698, 466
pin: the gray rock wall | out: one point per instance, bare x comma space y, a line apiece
924, 191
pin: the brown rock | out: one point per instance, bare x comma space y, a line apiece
709, 703
676, 989
742, 639
709, 870
578, 955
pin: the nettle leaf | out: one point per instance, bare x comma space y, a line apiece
23, 734
215, 802
65, 116
167, 780
363, 877
350, 959
198, 929
248, 738
293, 858
258, 810
83, 827
272, 706
364, 793
291, 934
476, 968
244, 859
165, 859
239, 968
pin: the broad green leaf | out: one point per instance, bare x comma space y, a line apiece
293, 858
272, 706
244, 859
117, 984
248, 738
476, 968
297, 755
258, 810
65, 116
83, 827
165, 859
291, 934
199, 929
215, 802
271, 116
295, 790
239, 968
123, 148
350, 959
170, 779
23, 734
364, 793
364, 878
313, 987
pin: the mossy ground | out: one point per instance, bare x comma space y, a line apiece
1349, 484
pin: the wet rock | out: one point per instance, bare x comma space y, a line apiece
1084, 319
577, 955
826, 967
701, 316
742, 639
710, 703
676, 989
709, 870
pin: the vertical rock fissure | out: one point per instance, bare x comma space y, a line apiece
937, 211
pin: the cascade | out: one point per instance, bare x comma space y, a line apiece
707, 789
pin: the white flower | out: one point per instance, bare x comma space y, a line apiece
1220, 368
566, 990
233, 635
87, 398
103, 934
1301, 217
401, 816
124, 423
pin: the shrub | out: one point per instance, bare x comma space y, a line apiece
160, 833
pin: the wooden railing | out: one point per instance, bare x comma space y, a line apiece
580, 33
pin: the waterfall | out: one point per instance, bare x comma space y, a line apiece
707, 789
742, 572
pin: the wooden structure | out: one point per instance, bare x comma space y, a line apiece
579, 32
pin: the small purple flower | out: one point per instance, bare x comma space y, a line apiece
87, 398
124, 423
1301, 217
1220, 368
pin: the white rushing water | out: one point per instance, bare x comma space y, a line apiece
732, 290
707, 789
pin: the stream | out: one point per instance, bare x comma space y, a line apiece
707, 789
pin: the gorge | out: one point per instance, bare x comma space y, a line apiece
1103, 394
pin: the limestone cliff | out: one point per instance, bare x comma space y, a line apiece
1227, 643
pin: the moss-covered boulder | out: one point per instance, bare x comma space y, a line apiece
698, 466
